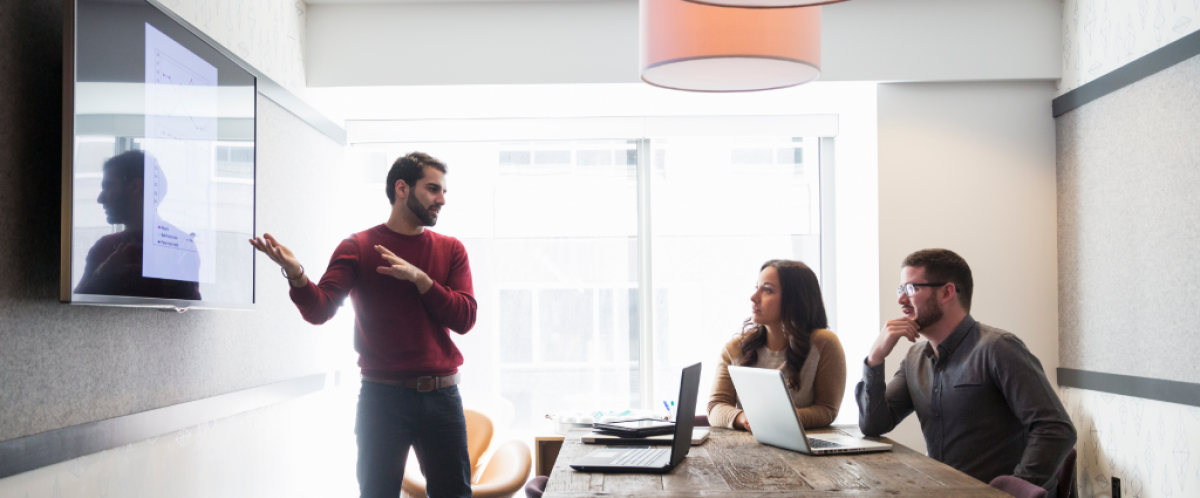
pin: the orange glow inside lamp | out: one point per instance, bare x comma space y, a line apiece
702, 48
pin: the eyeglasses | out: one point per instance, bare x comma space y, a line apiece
911, 289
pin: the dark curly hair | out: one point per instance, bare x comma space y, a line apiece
411, 169
802, 311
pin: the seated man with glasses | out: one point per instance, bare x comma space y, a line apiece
983, 400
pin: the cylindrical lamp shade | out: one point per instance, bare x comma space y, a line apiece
765, 4
688, 46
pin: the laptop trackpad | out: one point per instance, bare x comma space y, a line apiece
599, 457
848, 441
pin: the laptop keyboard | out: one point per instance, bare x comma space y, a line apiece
821, 443
640, 457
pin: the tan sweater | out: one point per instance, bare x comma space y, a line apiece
817, 398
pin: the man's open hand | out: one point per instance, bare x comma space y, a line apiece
402, 270
283, 257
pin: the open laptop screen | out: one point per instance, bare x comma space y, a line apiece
689, 387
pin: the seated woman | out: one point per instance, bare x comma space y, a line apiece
787, 331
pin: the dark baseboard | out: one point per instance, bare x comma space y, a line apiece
1173, 53
1171, 391
48, 448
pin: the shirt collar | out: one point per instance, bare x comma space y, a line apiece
946, 348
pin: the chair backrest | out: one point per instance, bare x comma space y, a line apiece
535, 487
701, 421
1066, 477
1018, 487
506, 469
479, 437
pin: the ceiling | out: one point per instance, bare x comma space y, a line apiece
360, 2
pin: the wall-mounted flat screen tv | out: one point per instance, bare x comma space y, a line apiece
158, 162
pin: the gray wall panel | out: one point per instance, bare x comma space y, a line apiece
1129, 229
63, 365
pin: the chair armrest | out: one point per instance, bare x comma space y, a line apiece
505, 472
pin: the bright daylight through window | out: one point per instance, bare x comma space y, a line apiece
553, 235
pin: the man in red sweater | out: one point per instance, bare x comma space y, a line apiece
410, 287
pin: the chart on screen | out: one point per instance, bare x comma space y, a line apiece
178, 239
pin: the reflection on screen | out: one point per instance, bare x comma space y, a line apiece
163, 175
181, 128
116, 264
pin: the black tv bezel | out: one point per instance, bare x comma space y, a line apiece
66, 291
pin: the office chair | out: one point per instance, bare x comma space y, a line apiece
535, 487
1018, 487
1066, 477
504, 473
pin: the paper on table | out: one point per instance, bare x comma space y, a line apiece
699, 435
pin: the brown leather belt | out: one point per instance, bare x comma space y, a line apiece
421, 384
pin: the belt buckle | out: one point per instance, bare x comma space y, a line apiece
432, 383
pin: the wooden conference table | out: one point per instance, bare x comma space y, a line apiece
732, 464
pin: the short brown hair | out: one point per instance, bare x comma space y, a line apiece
411, 169
128, 165
943, 265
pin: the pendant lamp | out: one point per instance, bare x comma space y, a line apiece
702, 48
765, 4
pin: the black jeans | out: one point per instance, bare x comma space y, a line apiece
391, 419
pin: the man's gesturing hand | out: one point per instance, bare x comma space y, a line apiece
283, 257
889, 336
402, 270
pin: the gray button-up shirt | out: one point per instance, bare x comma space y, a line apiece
984, 403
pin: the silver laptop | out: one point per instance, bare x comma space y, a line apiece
773, 419
647, 459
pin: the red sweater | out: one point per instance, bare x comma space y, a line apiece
128, 279
398, 332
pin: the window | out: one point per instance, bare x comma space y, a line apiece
553, 234
720, 208
233, 160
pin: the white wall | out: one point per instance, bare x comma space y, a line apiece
940, 40
473, 43
1147, 444
1099, 36
267, 34
447, 43
300, 448
971, 167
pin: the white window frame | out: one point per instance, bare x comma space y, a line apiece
642, 130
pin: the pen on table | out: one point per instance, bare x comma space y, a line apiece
668, 407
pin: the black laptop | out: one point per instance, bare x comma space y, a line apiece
639, 459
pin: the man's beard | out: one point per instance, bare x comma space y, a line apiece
422, 213
929, 316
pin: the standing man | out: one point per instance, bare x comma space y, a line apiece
410, 286
984, 403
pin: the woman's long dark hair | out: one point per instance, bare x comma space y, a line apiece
802, 311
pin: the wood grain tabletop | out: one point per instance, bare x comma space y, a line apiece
732, 464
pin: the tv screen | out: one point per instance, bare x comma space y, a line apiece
159, 168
